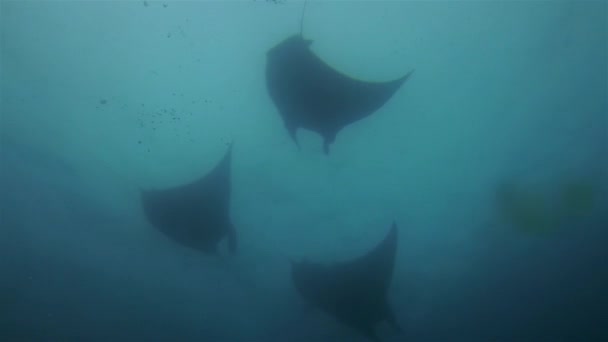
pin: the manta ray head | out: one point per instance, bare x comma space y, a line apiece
289, 47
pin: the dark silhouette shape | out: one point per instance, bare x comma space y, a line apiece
355, 292
196, 215
310, 94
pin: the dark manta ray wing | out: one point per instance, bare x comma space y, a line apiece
337, 100
360, 99
368, 278
343, 97
310, 94
196, 215
355, 292
376, 267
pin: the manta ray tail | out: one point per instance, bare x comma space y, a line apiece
291, 129
302, 18
328, 139
326, 147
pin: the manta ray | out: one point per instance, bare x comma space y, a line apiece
355, 291
196, 215
308, 93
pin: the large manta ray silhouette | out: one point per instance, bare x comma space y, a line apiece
354, 292
308, 93
196, 215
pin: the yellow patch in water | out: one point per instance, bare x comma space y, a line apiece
538, 212
578, 198
526, 211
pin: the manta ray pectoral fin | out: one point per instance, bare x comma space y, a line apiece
404, 78
232, 240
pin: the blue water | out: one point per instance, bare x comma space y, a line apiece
100, 99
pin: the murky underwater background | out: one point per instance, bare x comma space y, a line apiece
492, 159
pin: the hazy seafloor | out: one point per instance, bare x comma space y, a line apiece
101, 98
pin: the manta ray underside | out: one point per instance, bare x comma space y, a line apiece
354, 292
196, 215
310, 94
